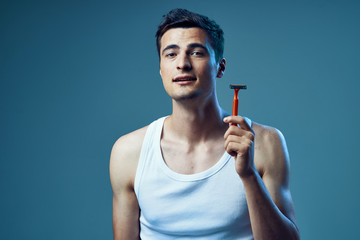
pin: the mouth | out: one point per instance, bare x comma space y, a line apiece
184, 79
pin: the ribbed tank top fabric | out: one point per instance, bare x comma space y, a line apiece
206, 205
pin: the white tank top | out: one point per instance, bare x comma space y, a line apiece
206, 205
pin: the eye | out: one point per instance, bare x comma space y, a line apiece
197, 53
170, 55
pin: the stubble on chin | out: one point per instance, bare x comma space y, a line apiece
186, 96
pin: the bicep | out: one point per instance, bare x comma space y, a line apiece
125, 204
276, 175
125, 215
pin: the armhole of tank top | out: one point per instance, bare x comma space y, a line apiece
149, 135
142, 159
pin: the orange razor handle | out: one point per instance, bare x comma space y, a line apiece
236, 88
235, 103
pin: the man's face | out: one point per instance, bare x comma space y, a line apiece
187, 63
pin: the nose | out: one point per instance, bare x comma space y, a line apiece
184, 62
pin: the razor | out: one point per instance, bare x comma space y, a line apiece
236, 88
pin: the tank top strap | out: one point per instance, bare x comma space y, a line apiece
248, 120
152, 133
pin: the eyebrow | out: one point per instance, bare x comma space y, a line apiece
172, 46
197, 45
191, 45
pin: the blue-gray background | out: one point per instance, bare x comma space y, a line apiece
76, 75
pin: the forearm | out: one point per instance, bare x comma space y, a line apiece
267, 221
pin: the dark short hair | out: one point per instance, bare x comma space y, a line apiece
182, 18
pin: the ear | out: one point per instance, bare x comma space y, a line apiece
160, 72
221, 69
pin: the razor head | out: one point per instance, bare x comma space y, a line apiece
237, 86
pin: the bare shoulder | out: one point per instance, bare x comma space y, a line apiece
271, 155
124, 159
123, 164
272, 161
268, 138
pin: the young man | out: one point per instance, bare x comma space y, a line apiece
199, 173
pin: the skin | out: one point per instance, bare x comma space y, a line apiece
261, 157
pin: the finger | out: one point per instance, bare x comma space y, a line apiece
231, 147
233, 130
236, 148
232, 138
238, 120
238, 140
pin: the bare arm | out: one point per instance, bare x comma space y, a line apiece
123, 165
269, 200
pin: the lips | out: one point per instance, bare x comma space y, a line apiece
184, 78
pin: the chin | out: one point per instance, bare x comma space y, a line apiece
185, 97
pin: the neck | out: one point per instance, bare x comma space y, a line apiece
195, 122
